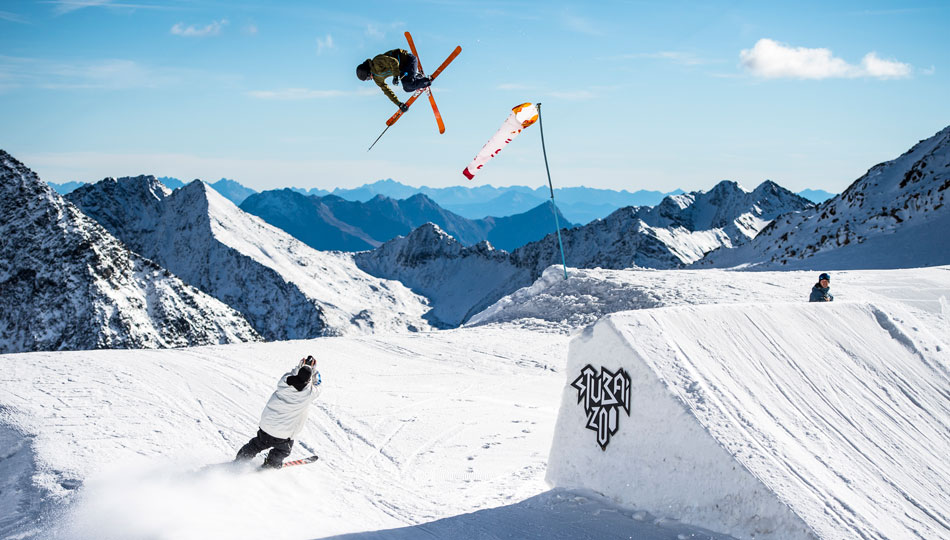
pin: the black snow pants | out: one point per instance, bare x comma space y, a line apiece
412, 80
279, 449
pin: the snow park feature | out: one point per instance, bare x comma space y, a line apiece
451, 434
781, 421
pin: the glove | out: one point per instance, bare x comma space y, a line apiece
403, 107
395, 81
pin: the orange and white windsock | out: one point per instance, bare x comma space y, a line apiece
521, 117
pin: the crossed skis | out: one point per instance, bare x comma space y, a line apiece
415, 95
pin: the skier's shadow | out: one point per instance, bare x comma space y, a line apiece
556, 514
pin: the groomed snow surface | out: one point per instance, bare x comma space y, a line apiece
752, 414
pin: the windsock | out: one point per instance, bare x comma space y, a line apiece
521, 117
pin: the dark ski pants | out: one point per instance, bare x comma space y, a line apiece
412, 80
279, 449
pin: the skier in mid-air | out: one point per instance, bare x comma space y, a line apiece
399, 64
820, 292
284, 415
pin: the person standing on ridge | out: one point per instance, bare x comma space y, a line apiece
398, 64
284, 415
820, 291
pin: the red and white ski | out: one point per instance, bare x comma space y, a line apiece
435, 108
303, 461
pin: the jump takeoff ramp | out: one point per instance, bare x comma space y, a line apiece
766, 421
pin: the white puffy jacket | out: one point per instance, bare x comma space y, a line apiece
286, 411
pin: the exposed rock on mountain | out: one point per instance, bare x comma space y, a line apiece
284, 288
68, 284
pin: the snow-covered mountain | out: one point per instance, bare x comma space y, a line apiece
895, 216
284, 288
68, 284
232, 191
459, 281
677, 232
331, 222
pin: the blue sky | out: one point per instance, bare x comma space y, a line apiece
636, 95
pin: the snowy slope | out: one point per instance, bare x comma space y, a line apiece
448, 434
66, 283
284, 288
778, 421
440, 434
889, 218
459, 281
587, 295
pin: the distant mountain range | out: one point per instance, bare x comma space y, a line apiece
285, 289
578, 204
333, 223
161, 268
66, 283
460, 280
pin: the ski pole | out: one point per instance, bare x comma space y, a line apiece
378, 138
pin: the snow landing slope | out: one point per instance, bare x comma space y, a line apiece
286, 289
779, 421
66, 283
420, 435
562, 305
895, 216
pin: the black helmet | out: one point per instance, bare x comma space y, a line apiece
362, 71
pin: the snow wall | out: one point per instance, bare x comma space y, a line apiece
779, 421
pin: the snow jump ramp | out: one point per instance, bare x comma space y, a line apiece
763, 421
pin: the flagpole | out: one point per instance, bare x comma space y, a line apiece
557, 225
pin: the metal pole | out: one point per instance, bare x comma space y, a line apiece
383, 133
557, 226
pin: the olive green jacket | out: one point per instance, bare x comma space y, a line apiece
384, 66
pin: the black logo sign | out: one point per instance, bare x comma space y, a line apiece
603, 396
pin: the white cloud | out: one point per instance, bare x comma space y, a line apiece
770, 59
251, 29
106, 74
295, 94
324, 43
12, 17
373, 31
579, 24
62, 7
212, 29
884, 69
929, 71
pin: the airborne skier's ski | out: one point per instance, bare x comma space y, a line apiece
435, 109
416, 94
